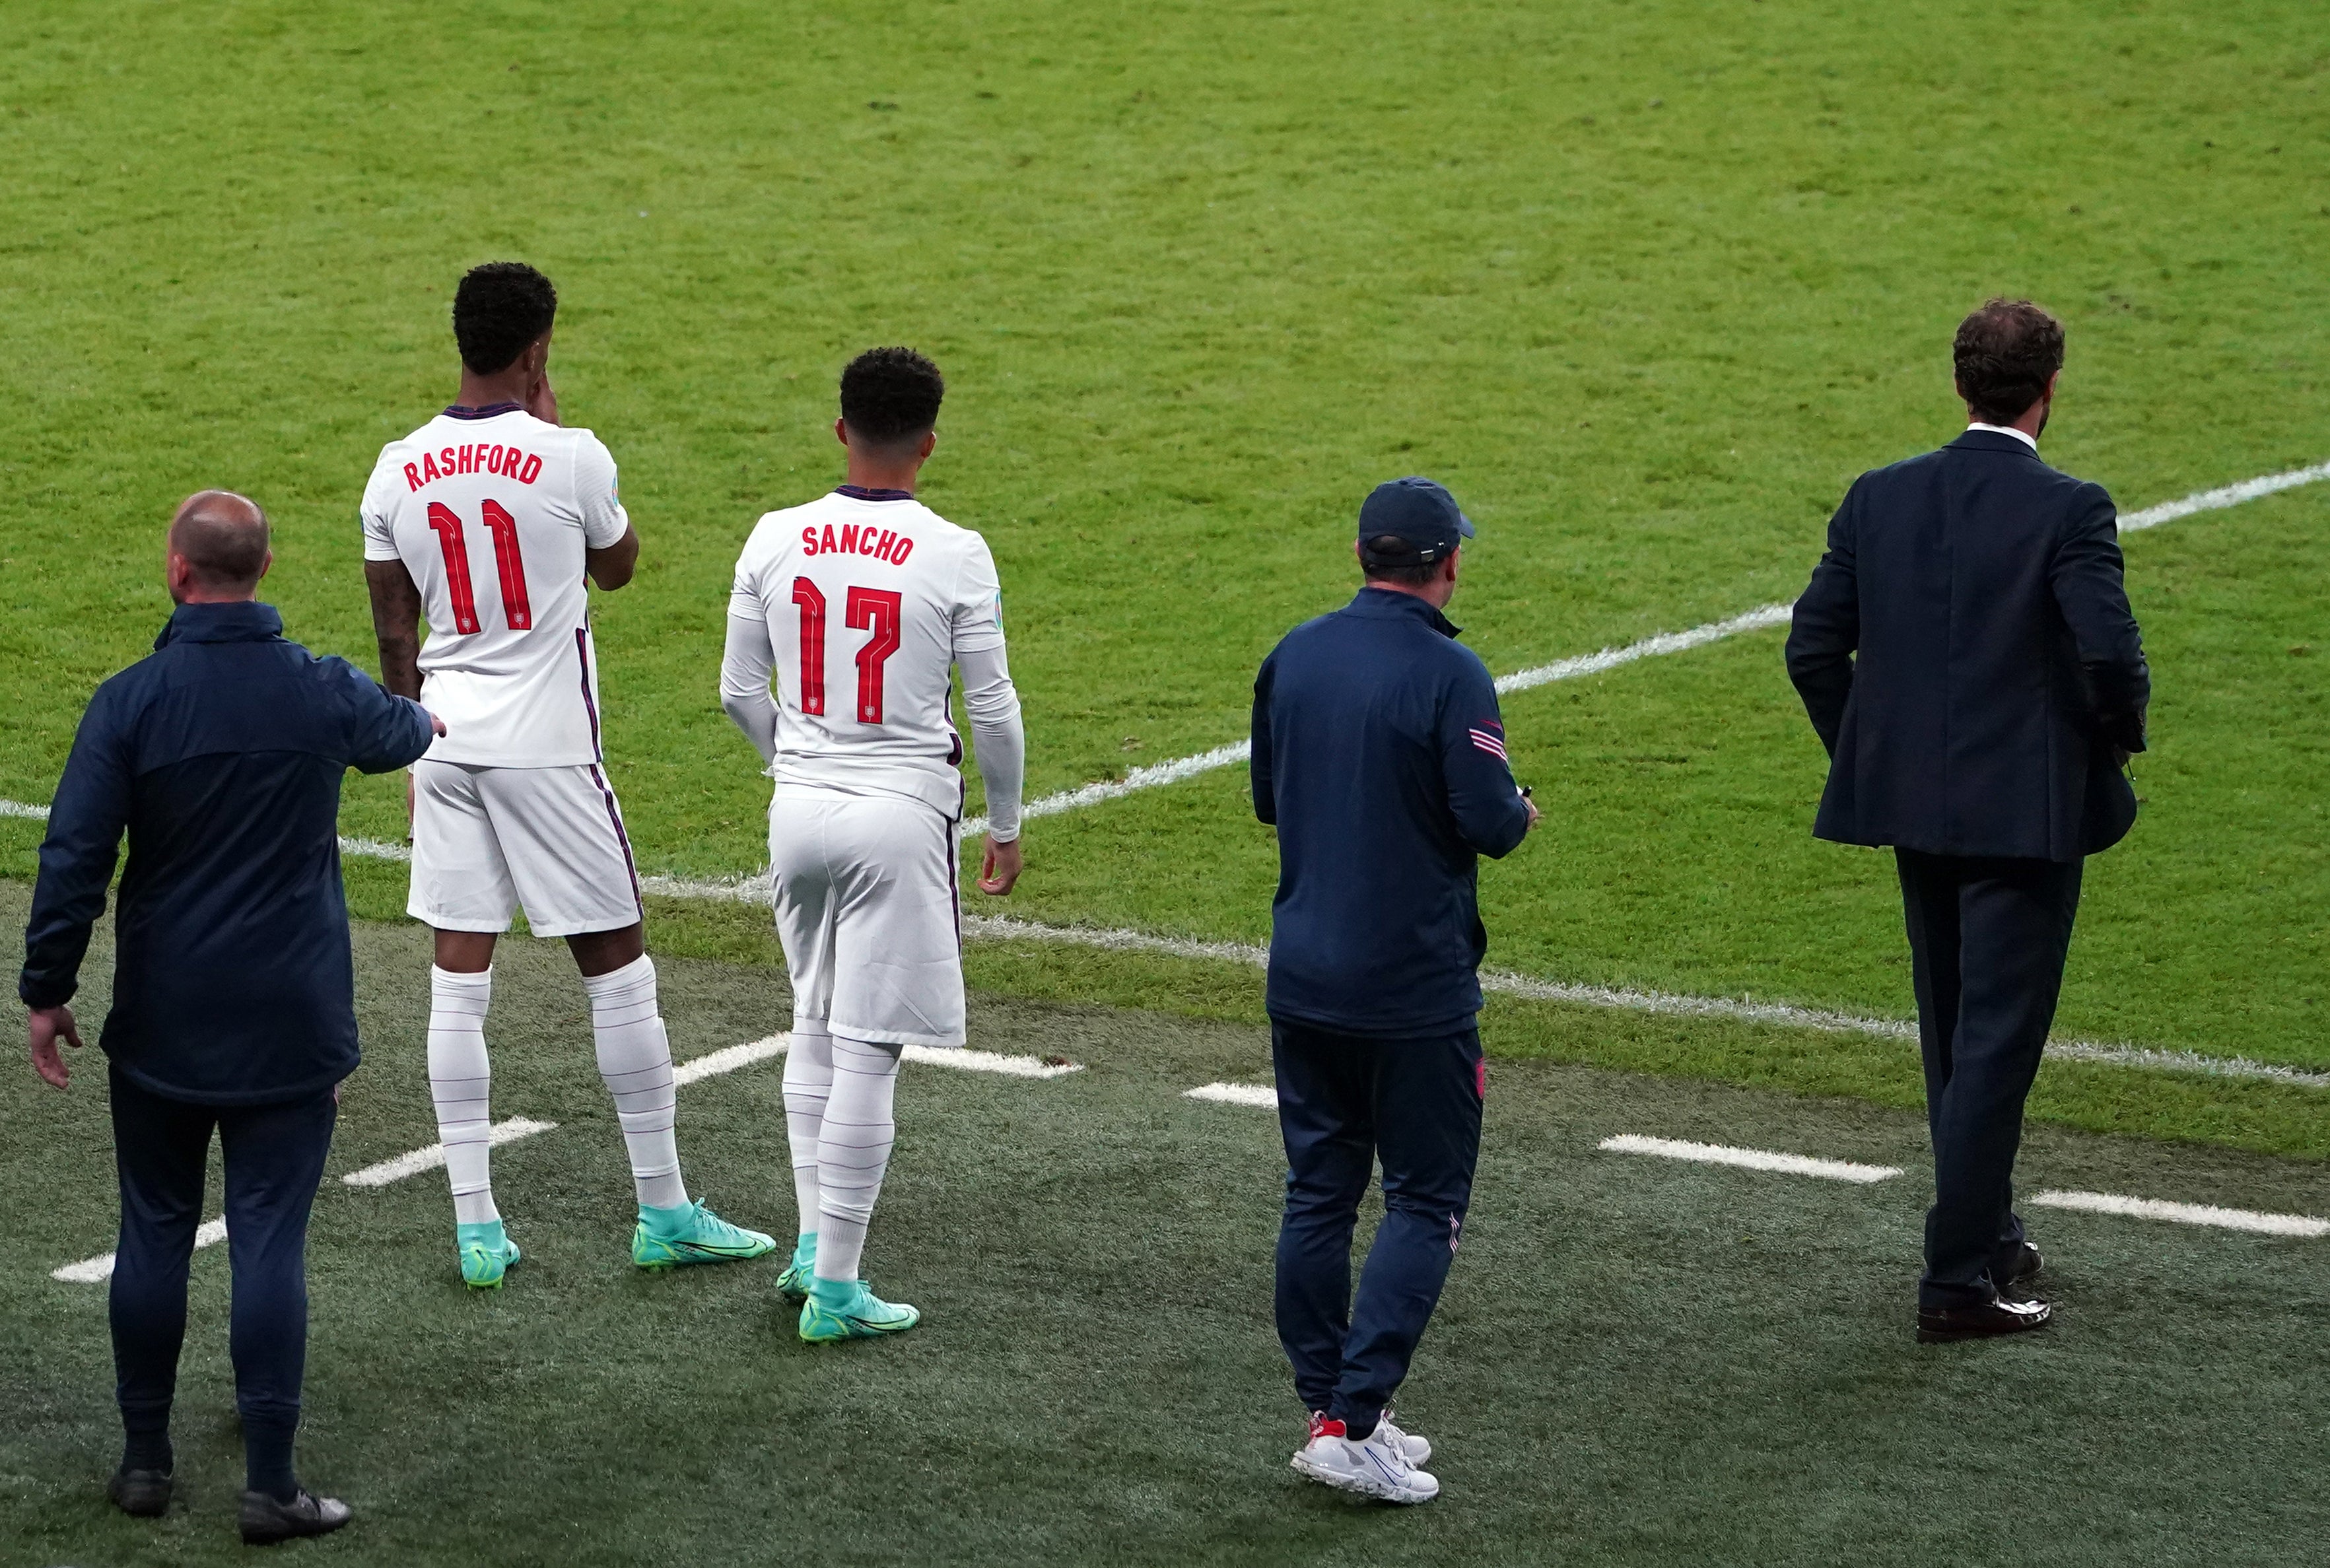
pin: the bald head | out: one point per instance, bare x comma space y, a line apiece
218, 547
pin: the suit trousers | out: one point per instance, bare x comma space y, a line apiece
274, 1159
1344, 1102
1988, 938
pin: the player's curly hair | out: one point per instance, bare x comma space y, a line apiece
890, 396
498, 310
2006, 352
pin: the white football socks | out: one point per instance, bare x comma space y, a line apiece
635, 1061
809, 1080
461, 1083
854, 1151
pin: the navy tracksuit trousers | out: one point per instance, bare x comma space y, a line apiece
1344, 1102
274, 1159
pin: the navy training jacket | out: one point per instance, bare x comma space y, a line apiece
1379, 754
222, 755
1966, 652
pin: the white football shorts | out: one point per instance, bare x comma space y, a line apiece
867, 912
487, 840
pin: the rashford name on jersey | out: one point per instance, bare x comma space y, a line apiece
477, 458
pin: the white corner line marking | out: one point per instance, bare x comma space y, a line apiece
414, 1162
98, 1270
2218, 499
1261, 1096
2186, 1213
1837, 1170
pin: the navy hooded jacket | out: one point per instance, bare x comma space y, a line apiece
222, 755
1379, 753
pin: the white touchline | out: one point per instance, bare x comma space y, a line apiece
2218, 499
1002, 928
433, 1157
1838, 1170
98, 1270
1261, 1096
711, 1065
2187, 1214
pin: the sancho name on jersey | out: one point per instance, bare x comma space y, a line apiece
868, 602
492, 512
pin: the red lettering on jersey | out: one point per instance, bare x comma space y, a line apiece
866, 542
825, 540
809, 542
428, 473
533, 467
850, 538
469, 457
446, 461
882, 549
412, 477
900, 550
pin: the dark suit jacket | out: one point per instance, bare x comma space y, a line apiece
1998, 663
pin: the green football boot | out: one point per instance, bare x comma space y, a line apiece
841, 1309
486, 1253
794, 1283
692, 1233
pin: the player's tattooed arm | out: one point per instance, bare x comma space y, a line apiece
397, 625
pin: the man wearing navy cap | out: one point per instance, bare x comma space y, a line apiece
1379, 756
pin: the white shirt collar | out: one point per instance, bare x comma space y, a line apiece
2025, 437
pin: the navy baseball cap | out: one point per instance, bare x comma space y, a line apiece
1419, 513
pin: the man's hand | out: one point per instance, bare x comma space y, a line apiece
1534, 814
542, 402
50, 1024
1001, 868
436, 724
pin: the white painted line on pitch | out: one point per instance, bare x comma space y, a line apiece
2218, 500
729, 1058
98, 1270
18, 808
1835, 1170
433, 1157
965, 1059
1261, 1096
1003, 928
2186, 1213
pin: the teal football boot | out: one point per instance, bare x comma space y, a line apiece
794, 1283
692, 1233
839, 1309
486, 1253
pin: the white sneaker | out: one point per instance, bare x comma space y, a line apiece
1377, 1468
1418, 1449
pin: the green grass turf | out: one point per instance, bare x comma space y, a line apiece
1634, 1362
1646, 283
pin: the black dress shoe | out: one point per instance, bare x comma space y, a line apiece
1984, 1320
267, 1520
2027, 1264
140, 1493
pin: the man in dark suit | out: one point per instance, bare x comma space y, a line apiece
1966, 652
220, 756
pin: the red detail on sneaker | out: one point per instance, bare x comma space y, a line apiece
1324, 1425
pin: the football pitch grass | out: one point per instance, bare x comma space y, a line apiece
1647, 284
1636, 1361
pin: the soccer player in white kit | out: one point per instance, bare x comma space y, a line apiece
485, 522
862, 603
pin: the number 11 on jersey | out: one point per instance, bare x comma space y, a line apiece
508, 564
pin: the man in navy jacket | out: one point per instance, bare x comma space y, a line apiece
1380, 755
233, 995
1967, 655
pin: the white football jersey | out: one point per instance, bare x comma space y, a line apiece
867, 603
491, 510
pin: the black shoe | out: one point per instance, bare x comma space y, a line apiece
266, 1521
140, 1493
2027, 1264
1984, 1320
